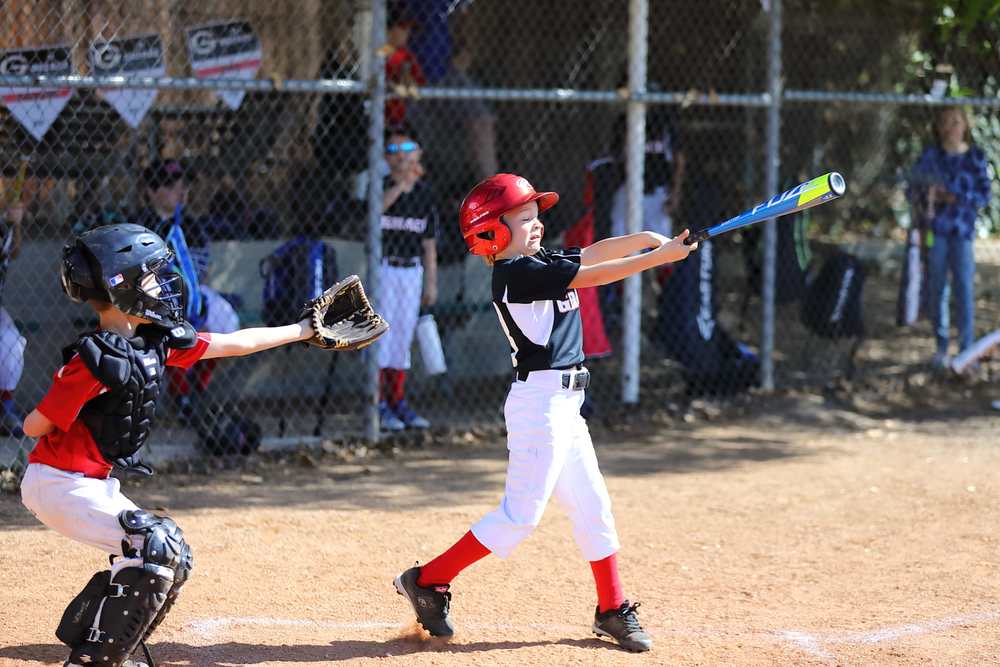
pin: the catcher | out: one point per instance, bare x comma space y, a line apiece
99, 412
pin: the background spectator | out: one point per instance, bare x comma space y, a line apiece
408, 278
401, 67
12, 343
166, 186
951, 182
665, 166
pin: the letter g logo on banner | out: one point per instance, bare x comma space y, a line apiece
203, 42
106, 56
14, 65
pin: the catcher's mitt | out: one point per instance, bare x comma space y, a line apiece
342, 317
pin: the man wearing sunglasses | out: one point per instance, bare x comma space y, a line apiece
408, 278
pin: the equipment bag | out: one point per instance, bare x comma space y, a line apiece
297, 272
689, 332
832, 306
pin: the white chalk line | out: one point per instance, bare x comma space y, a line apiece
814, 643
819, 645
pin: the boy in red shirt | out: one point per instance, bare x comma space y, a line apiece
98, 414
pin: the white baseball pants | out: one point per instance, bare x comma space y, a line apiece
84, 509
398, 301
550, 454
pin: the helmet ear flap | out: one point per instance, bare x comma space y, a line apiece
501, 237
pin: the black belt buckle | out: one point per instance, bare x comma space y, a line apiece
576, 380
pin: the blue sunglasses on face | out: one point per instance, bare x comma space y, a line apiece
404, 147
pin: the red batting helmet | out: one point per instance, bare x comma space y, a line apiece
479, 216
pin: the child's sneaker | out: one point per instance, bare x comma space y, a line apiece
431, 603
387, 419
940, 361
622, 625
410, 418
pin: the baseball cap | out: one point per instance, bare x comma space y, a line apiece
165, 172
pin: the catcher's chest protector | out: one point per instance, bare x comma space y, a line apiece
132, 370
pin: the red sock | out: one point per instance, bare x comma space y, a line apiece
446, 567
609, 586
384, 382
396, 389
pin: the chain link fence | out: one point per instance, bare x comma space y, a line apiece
249, 127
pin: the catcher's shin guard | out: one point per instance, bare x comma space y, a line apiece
119, 608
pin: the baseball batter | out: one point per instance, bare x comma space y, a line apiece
98, 414
550, 450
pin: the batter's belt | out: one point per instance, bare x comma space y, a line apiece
572, 379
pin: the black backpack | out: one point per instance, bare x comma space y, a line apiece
689, 332
224, 431
296, 272
832, 306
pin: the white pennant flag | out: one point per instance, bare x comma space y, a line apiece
224, 50
128, 56
36, 108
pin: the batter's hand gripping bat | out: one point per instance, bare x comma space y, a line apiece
805, 195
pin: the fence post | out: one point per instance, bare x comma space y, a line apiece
373, 242
773, 162
635, 149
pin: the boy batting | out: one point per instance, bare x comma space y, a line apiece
550, 450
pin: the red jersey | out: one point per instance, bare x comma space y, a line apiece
402, 68
70, 446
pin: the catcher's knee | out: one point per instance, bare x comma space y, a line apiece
156, 539
119, 607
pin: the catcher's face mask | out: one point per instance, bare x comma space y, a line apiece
163, 294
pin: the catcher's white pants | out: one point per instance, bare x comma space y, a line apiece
550, 454
12, 345
398, 301
81, 508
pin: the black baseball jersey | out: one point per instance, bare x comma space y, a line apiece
411, 219
537, 309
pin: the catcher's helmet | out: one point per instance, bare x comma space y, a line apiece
479, 215
129, 267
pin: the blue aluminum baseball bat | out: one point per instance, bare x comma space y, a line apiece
804, 195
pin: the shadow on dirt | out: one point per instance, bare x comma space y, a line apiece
424, 478
238, 653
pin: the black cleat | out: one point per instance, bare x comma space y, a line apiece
431, 604
622, 625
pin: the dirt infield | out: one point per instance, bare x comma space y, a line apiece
820, 537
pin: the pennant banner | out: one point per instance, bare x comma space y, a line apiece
128, 56
36, 108
224, 50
